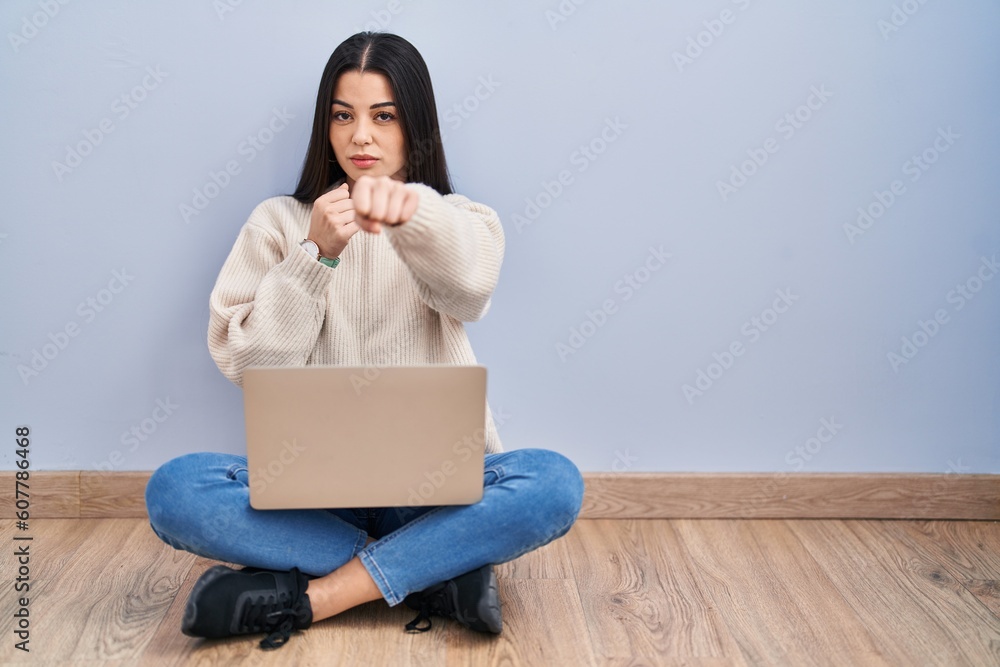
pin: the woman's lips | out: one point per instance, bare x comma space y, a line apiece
365, 162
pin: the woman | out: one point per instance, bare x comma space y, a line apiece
301, 287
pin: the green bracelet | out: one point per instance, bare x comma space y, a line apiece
332, 263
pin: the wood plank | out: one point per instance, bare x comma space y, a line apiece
611, 571
795, 495
773, 596
169, 646
117, 494
543, 625
969, 550
920, 616
57, 542
107, 601
623, 495
986, 591
696, 628
633, 607
53, 494
973, 555
664, 661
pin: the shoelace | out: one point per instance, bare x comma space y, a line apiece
275, 615
423, 615
280, 636
430, 603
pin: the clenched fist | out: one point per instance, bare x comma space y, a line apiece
381, 200
333, 222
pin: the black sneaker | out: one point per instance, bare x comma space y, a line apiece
470, 598
226, 602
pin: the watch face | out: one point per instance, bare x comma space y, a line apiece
311, 248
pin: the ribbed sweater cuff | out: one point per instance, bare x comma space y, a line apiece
314, 277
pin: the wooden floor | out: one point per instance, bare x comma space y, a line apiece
611, 592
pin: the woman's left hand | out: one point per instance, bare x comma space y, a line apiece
381, 200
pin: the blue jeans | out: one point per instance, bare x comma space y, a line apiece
201, 503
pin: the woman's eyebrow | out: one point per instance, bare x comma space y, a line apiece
374, 106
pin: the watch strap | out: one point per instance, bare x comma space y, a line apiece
309, 244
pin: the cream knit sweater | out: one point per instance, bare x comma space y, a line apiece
396, 298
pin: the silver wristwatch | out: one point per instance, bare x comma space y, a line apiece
310, 247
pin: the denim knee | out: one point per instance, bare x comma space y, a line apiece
561, 484
169, 485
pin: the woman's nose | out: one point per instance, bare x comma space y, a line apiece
362, 134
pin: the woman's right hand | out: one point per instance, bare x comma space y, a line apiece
332, 223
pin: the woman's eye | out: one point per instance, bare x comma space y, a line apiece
385, 116
341, 115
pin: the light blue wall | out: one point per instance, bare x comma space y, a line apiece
886, 81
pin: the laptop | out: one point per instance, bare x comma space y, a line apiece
364, 436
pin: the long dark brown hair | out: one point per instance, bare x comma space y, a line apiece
406, 70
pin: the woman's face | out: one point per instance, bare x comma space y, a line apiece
365, 131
